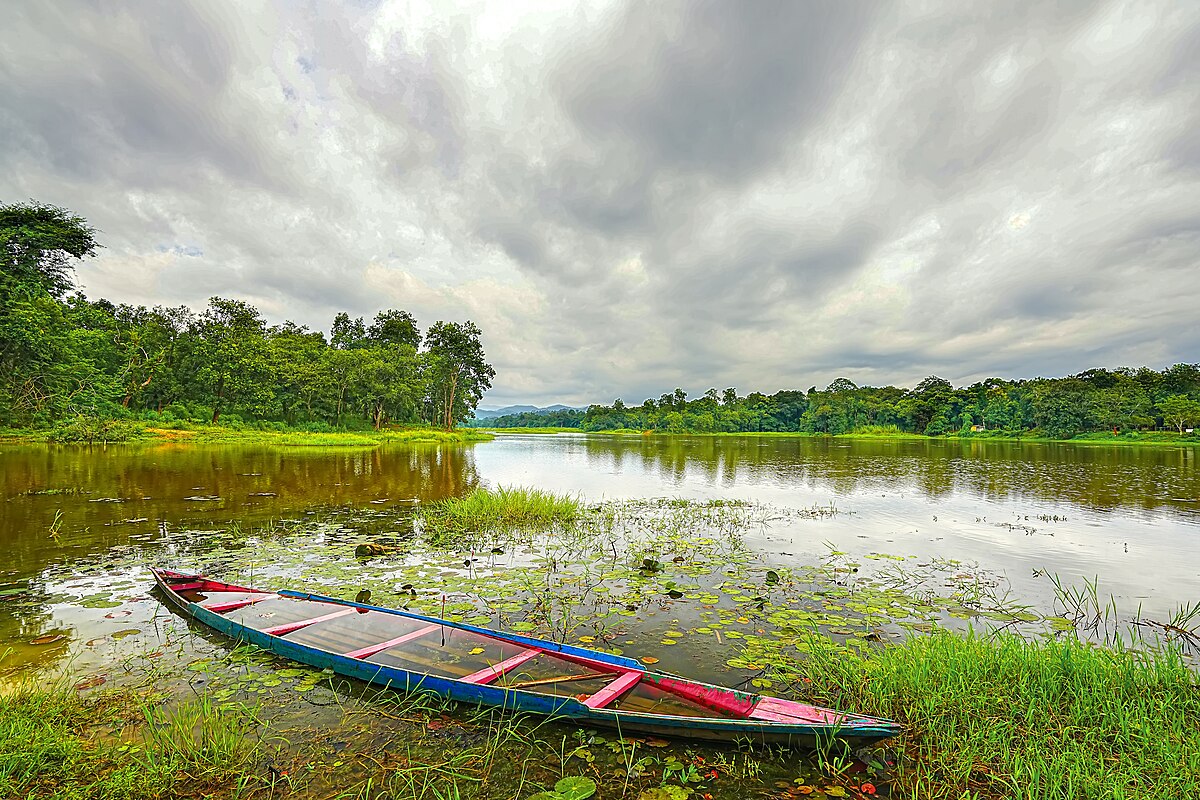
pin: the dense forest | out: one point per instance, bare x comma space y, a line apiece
64, 356
1118, 400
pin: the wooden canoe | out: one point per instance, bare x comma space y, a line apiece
411, 652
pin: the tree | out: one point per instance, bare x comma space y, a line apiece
1178, 410
337, 375
346, 333
43, 365
296, 355
38, 245
234, 364
1062, 408
458, 374
394, 328
386, 381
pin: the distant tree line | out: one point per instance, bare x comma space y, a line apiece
558, 418
63, 355
1117, 400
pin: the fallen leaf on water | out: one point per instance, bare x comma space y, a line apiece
90, 683
653, 742
649, 660
474, 651
587, 639
49, 638
115, 614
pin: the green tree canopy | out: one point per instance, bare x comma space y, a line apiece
458, 374
38, 245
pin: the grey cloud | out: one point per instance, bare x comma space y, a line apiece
713, 88
763, 195
130, 97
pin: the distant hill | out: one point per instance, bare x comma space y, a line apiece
492, 413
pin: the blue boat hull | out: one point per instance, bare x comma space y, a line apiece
567, 709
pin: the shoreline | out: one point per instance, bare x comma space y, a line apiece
136, 433
1145, 439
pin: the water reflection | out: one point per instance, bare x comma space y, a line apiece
1096, 477
118, 496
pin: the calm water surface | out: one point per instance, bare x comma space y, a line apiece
93, 518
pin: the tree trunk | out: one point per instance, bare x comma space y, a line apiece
130, 393
217, 400
449, 417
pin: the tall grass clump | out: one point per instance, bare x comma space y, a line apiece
207, 741
1008, 717
505, 509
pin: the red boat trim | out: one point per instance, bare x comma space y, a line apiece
370, 650
233, 605
614, 690
714, 697
288, 627
491, 673
775, 709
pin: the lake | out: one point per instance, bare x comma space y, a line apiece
79, 525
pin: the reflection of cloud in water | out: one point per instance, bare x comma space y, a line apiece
1127, 514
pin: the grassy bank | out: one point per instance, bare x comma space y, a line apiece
985, 718
54, 743
103, 431
1003, 716
1133, 438
321, 439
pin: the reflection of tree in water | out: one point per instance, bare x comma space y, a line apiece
1091, 476
120, 500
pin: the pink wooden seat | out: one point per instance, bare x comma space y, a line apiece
614, 690
370, 650
184, 587
288, 627
491, 673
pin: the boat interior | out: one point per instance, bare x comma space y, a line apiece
443, 650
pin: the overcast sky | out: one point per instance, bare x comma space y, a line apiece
630, 197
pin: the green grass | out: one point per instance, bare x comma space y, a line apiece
109, 432
336, 439
505, 509
1009, 717
55, 744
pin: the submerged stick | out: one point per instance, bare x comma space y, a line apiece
562, 679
